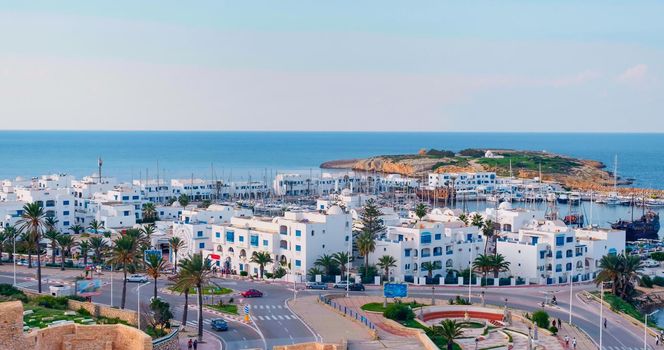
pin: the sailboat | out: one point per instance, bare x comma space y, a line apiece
613, 198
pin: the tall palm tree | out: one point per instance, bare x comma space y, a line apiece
84, 247
421, 210
429, 266
183, 199
610, 271
262, 259
489, 235
342, 260
66, 243
98, 245
30, 244
366, 243
385, 262
96, 227
484, 264
123, 253
176, 244
450, 330
32, 221
50, 223
327, 262
477, 220
499, 264
77, 229
631, 266
149, 212
53, 237
147, 231
196, 271
4, 237
12, 234
463, 218
154, 265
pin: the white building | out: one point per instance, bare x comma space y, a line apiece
479, 182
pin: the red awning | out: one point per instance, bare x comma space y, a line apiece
214, 256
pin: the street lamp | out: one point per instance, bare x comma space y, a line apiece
477, 341
14, 257
138, 302
470, 272
111, 277
601, 312
571, 283
433, 290
645, 329
530, 342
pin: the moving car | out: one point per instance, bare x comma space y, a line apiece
340, 284
316, 285
252, 293
137, 278
357, 287
219, 324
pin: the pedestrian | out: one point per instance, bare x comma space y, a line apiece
566, 341
574, 343
195, 344
657, 339
560, 323
189, 345
604, 322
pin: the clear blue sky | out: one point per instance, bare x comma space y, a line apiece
333, 65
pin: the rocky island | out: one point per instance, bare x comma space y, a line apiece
571, 172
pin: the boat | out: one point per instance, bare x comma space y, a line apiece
646, 227
562, 198
574, 198
573, 219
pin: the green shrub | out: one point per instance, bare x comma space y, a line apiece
244, 273
14, 293
541, 319
84, 312
553, 329
279, 272
399, 312
268, 275
76, 297
52, 302
658, 281
657, 256
646, 281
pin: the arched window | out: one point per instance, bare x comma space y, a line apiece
231, 251
449, 263
219, 248
243, 253
579, 264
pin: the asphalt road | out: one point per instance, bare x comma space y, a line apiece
274, 324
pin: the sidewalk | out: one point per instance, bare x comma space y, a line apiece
582, 341
209, 342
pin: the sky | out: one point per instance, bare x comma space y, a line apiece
571, 66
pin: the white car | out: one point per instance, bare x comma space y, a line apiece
651, 263
340, 285
137, 278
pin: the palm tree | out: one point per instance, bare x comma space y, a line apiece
477, 220
366, 244
421, 210
50, 222
385, 262
196, 271
32, 221
448, 329
489, 234
499, 264
327, 262
314, 271
342, 260
96, 227
610, 271
124, 253
53, 237
463, 218
147, 231
98, 246
84, 246
77, 229
154, 265
30, 245
429, 266
183, 199
149, 212
176, 244
484, 264
66, 243
262, 259
12, 234
631, 265
4, 237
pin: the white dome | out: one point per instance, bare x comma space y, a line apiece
335, 210
505, 206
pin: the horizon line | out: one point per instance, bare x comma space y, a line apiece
338, 131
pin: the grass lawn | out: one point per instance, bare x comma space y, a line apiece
439, 341
378, 307
41, 317
617, 304
226, 308
471, 325
209, 290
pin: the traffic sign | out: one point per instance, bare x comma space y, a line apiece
246, 309
395, 290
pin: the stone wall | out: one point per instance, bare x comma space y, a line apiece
104, 311
169, 342
67, 336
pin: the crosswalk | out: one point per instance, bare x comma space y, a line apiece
623, 348
274, 317
265, 307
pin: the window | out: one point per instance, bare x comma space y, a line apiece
559, 254
298, 263
201, 245
559, 267
283, 229
425, 238
569, 253
241, 238
199, 234
438, 236
312, 232
65, 223
125, 198
534, 240
568, 267
438, 251
253, 240
426, 252
406, 252
66, 212
230, 236
134, 197
126, 213
50, 203
217, 234
65, 202
265, 243
298, 248
542, 254
560, 240
569, 239
400, 238
298, 233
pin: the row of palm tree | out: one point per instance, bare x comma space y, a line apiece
491, 263
622, 271
332, 263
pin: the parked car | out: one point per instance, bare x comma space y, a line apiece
340, 284
651, 263
357, 287
22, 262
219, 324
316, 285
137, 278
252, 293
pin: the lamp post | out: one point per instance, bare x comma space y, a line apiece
645, 329
470, 272
601, 312
14, 258
530, 342
138, 302
571, 299
433, 291
111, 276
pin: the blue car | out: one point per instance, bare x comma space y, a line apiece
219, 324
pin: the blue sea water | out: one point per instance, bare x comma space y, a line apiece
179, 154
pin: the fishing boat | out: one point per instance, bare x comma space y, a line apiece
563, 198
646, 227
574, 198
